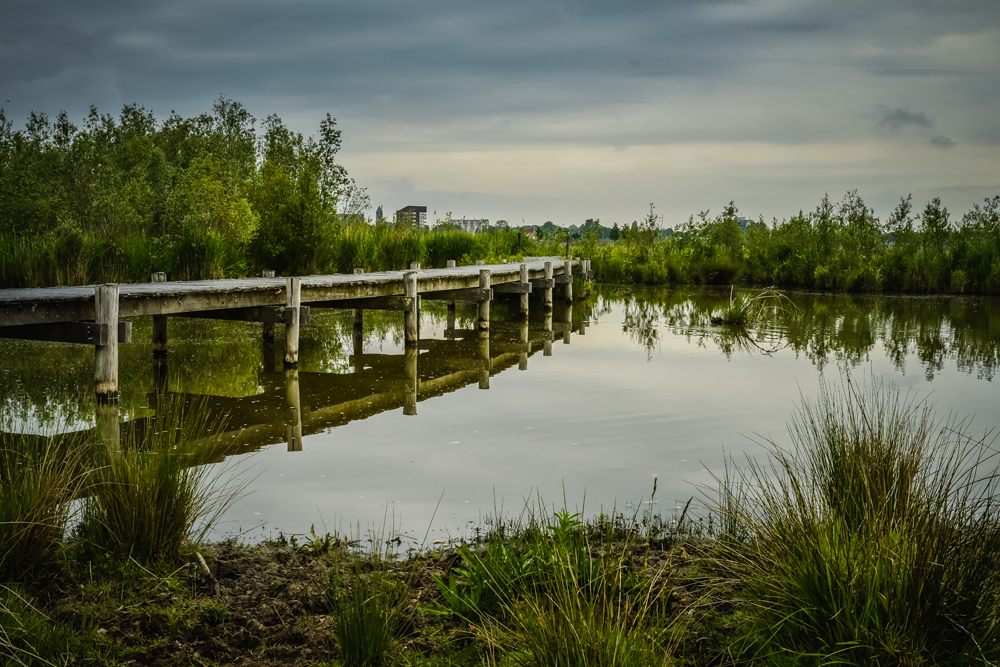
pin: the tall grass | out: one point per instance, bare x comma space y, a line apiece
27, 636
148, 498
873, 540
39, 476
368, 604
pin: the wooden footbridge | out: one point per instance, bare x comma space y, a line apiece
92, 315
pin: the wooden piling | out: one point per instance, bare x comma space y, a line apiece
359, 313
451, 264
410, 356
293, 300
568, 270
159, 322
483, 318
267, 273
547, 340
106, 356
414, 266
293, 398
480, 262
524, 296
412, 316
522, 361
569, 324
451, 314
484, 358
547, 303
108, 424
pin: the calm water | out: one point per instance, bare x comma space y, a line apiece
632, 384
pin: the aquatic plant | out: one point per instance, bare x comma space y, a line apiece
874, 539
39, 476
151, 495
748, 308
368, 604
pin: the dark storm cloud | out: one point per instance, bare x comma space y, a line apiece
898, 118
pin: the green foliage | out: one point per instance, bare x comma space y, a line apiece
873, 540
839, 246
491, 580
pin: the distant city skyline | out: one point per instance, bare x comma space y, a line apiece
562, 110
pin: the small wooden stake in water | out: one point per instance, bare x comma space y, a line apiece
547, 341
106, 356
522, 361
108, 426
569, 324
293, 299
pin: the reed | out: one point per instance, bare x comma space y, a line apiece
873, 540
39, 476
368, 603
152, 495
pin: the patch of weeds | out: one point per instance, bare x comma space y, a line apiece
29, 637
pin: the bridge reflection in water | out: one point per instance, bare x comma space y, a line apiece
295, 404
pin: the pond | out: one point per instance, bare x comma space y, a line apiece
584, 409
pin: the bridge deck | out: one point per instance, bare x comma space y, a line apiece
62, 304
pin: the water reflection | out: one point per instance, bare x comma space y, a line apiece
825, 328
657, 389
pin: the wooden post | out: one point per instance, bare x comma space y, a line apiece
547, 341
160, 385
293, 399
108, 425
359, 349
568, 270
106, 356
569, 324
480, 262
412, 316
414, 266
484, 358
451, 264
503, 261
522, 361
547, 303
410, 356
451, 314
159, 323
293, 299
359, 313
524, 297
267, 273
483, 319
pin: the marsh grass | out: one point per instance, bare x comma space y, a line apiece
368, 603
744, 309
151, 496
873, 540
39, 476
27, 635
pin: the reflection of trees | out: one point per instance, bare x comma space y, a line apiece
843, 329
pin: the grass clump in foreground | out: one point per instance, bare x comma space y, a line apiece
873, 540
148, 497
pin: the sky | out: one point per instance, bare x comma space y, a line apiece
560, 110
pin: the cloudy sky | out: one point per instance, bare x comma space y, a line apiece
561, 109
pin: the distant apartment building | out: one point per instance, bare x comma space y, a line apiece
415, 215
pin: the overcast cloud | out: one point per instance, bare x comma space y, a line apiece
561, 110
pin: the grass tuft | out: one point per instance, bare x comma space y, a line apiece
873, 540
